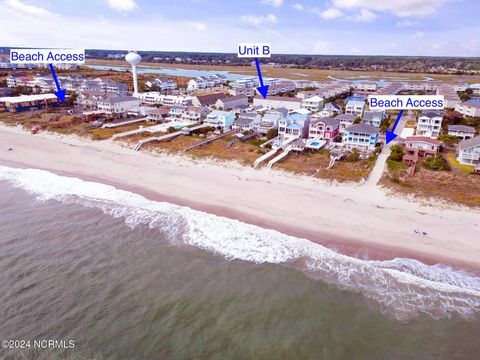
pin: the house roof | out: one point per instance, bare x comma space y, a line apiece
160, 111
327, 121
118, 99
314, 98
346, 117
280, 98
233, 98
249, 115
209, 99
216, 113
431, 114
469, 143
281, 110
333, 105
198, 109
423, 139
369, 115
363, 128
243, 121
461, 128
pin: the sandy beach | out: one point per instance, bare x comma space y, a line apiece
354, 217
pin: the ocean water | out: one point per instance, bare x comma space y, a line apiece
172, 71
129, 278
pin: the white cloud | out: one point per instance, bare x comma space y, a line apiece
274, 3
398, 7
298, 6
365, 16
331, 13
407, 23
259, 20
122, 5
418, 35
321, 47
26, 9
197, 25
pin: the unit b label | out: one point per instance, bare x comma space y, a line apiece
254, 50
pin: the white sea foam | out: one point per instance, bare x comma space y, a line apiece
403, 287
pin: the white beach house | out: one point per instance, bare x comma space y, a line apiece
118, 104
469, 109
461, 131
429, 124
469, 152
314, 103
356, 106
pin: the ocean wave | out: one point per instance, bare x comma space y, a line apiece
403, 287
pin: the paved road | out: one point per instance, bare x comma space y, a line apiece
377, 171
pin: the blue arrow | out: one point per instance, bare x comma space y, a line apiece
60, 94
391, 134
262, 89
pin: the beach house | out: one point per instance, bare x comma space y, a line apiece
451, 98
222, 120
314, 103
273, 102
293, 126
269, 121
281, 87
429, 124
324, 128
158, 115
361, 137
470, 109
165, 84
195, 113
231, 102
461, 131
469, 152
421, 146
118, 104
176, 113
365, 86
28, 102
333, 107
355, 105
246, 122
208, 99
206, 82
373, 118
345, 120
248, 92
90, 99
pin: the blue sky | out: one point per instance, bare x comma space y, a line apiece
356, 27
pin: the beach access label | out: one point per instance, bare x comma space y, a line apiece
406, 102
254, 50
47, 56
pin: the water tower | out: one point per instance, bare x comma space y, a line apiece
134, 59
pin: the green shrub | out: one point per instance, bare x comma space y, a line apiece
272, 133
449, 140
394, 165
396, 153
437, 163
